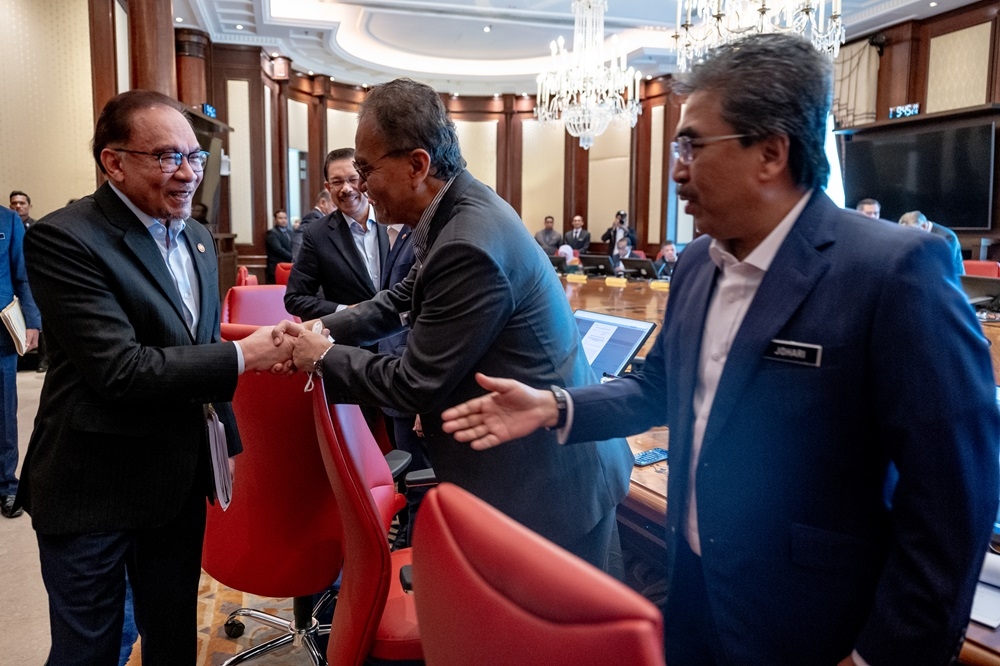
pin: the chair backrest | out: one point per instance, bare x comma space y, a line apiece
262, 305
243, 276
639, 253
367, 497
985, 268
490, 591
281, 535
281, 272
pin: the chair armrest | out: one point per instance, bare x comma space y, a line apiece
397, 461
422, 478
406, 577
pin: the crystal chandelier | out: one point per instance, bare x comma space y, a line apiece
704, 24
587, 88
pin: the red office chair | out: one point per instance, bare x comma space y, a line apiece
639, 253
984, 268
282, 271
262, 305
244, 278
281, 535
374, 616
490, 591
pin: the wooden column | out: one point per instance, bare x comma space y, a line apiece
151, 46
192, 50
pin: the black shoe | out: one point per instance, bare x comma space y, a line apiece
7, 507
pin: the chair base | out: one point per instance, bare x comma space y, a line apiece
301, 631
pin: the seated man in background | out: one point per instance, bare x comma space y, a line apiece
917, 219
667, 261
618, 230
578, 238
869, 208
549, 238
624, 251
278, 244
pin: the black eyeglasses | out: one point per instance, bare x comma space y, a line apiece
683, 146
366, 170
170, 161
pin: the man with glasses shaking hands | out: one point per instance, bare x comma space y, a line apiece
118, 467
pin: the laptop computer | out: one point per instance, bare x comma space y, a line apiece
611, 342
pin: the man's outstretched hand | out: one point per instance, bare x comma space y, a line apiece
511, 410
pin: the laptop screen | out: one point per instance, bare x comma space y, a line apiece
611, 342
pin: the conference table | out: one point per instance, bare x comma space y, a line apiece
643, 512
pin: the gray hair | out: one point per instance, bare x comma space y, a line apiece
772, 85
410, 115
914, 218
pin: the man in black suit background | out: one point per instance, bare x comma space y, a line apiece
118, 468
578, 238
667, 260
343, 256
618, 230
482, 297
278, 243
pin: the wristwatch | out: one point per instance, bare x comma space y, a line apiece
561, 405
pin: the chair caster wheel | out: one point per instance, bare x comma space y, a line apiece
233, 628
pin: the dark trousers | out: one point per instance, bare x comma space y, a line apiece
688, 628
84, 575
601, 546
8, 423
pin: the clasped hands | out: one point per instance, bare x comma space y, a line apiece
284, 348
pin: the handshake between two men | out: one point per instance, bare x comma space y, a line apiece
285, 348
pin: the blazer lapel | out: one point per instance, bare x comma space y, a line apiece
796, 268
343, 240
138, 239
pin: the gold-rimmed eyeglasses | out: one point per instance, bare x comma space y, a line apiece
366, 169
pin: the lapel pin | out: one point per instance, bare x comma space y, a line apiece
201, 248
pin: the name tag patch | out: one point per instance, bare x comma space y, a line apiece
799, 353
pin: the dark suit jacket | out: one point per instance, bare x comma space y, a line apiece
120, 434
329, 260
794, 529
279, 248
397, 266
314, 215
582, 244
954, 246
485, 300
610, 235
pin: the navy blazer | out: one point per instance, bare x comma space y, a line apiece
803, 559
14, 276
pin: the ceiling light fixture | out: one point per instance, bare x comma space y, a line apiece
239, 26
704, 24
179, 20
585, 88
487, 28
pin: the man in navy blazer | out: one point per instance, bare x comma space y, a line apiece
833, 427
13, 282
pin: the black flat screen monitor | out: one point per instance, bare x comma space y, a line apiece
944, 172
640, 268
597, 264
558, 262
611, 342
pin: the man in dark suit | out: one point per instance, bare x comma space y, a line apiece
343, 256
324, 206
118, 466
618, 230
829, 476
13, 282
578, 238
481, 298
667, 260
278, 244
918, 220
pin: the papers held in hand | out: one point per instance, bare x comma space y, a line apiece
13, 319
220, 460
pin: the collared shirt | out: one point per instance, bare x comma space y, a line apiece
366, 240
176, 255
734, 291
423, 228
